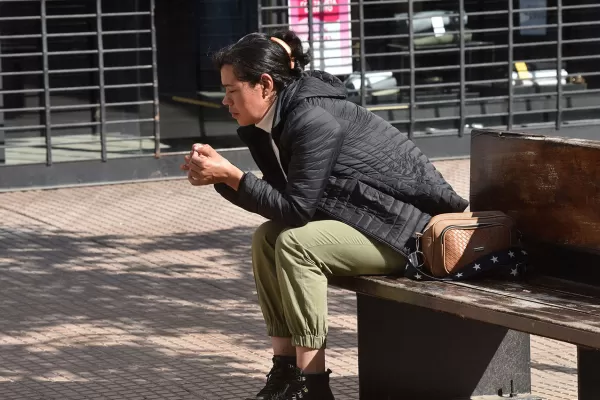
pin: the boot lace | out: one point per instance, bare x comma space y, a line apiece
276, 379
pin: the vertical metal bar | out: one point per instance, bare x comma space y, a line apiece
2, 134
511, 61
311, 39
46, 68
411, 49
559, 58
363, 59
139, 92
279, 17
260, 16
101, 80
463, 91
155, 80
321, 36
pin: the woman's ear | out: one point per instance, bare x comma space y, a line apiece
268, 85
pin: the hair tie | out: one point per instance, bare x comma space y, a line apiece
287, 48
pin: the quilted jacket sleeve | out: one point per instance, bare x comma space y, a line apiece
315, 142
228, 193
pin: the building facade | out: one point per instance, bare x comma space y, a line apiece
96, 90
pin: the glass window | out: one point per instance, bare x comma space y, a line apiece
66, 104
484, 66
190, 87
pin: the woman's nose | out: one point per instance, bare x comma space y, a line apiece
226, 101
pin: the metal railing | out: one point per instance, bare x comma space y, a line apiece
81, 76
476, 62
89, 58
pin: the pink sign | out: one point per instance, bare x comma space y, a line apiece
332, 33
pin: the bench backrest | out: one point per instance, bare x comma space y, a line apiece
551, 186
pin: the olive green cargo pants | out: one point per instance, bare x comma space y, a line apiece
291, 266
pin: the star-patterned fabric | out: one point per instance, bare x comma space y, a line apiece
507, 264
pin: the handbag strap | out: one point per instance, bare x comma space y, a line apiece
509, 263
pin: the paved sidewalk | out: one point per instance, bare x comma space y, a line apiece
145, 291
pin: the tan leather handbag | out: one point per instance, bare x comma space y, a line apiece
451, 241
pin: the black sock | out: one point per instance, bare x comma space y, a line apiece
287, 359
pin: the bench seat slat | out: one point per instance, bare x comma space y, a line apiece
479, 303
569, 300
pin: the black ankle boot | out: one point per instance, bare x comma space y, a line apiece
309, 387
278, 379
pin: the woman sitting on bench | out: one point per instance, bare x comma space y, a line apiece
344, 193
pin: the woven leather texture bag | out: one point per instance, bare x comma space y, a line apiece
451, 241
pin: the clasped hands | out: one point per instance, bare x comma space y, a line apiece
205, 166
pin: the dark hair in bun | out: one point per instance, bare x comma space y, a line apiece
256, 54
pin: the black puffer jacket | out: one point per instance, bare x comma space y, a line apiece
340, 161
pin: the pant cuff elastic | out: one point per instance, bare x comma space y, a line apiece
309, 341
277, 330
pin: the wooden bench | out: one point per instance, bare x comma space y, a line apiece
470, 340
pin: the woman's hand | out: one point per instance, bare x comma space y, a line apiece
206, 167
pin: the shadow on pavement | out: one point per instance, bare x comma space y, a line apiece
177, 314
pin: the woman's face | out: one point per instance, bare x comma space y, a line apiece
247, 104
